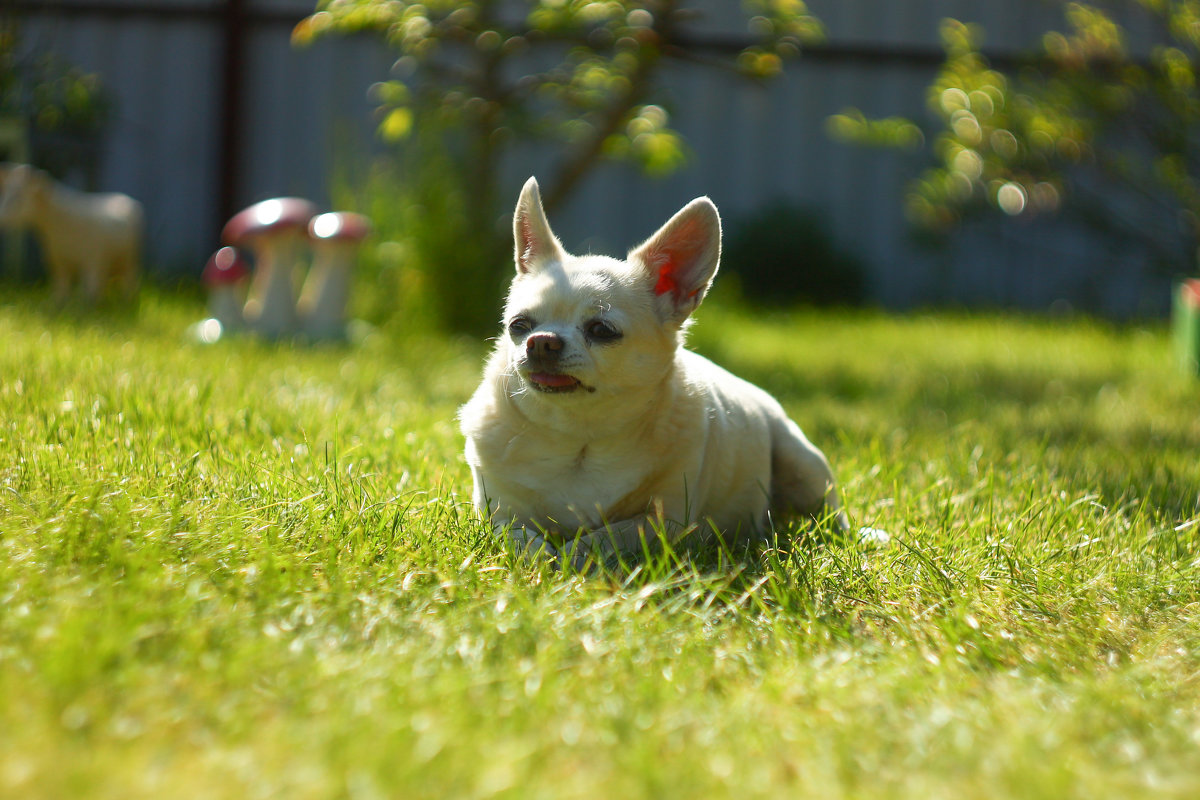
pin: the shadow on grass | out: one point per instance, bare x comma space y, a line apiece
1140, 451
108, 315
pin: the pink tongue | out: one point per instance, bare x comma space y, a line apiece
553, 380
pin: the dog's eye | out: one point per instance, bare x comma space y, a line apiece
519, 326
600, 331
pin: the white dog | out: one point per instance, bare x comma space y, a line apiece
594, 430
92, 240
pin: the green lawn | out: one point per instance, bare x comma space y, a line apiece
248, 570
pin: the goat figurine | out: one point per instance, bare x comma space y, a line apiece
89, 240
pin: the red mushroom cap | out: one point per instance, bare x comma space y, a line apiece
276, 214
339, 226
226, 266
1189, 292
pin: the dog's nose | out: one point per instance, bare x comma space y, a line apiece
544, 345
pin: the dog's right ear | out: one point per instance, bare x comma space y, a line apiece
534, 242
680, 260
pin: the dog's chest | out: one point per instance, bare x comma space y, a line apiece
576, 483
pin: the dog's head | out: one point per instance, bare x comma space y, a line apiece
593, 325
21, 188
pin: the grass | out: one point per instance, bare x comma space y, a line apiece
250, 570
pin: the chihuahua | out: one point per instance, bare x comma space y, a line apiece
595, 431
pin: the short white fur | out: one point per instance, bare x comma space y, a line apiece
595, 429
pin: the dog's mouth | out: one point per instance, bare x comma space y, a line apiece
553, 382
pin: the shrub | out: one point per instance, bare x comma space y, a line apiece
783, 254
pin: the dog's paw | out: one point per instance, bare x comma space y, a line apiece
595, 550
532, 545
592, 551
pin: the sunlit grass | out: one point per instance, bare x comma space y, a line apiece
249, 570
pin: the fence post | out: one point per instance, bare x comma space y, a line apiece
14, 146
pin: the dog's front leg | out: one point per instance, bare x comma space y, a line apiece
587, 549
531, 543
629, 537
602, 546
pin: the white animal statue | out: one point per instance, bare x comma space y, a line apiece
93, 241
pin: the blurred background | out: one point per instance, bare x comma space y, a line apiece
826, 132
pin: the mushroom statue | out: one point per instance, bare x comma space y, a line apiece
225, 276
276, 231
336, 238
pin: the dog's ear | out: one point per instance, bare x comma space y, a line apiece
534, 242
682, 257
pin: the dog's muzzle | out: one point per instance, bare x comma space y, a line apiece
544, 348
543, 352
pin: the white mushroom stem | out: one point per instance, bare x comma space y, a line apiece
225, 306
271, 305
226, 275
336, 238
323, 302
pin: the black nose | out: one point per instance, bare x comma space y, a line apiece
544, 345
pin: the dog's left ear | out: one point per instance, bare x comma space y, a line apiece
533, 241
682, 257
